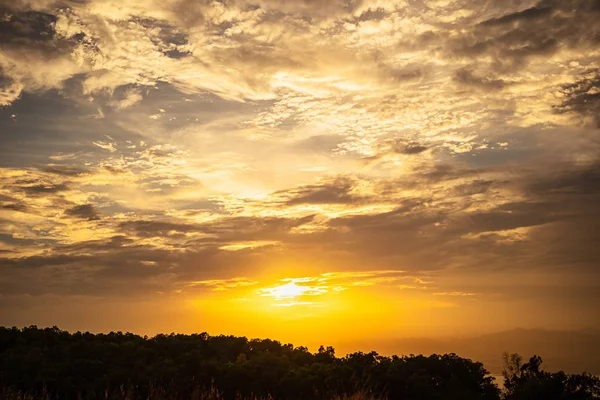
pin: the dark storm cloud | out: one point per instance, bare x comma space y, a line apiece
27, 27
11, 203
84, 211
466, 77
395, 147
255, 228
530, 14
221, 231
338, 191
411, 148
42, 188
143, 228
15, 207
313, 8
34, 31
575, 181
538, 31
65, 170
373, 15
108, 268
431, 233
479, 186
583, 97
445, 172
169, 39
10, 89
116, 266
113, 170
507, 217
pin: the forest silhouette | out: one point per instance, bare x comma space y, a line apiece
50, 363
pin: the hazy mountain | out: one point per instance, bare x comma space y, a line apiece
572, 351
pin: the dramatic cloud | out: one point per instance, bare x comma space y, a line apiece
316, 156
85, 211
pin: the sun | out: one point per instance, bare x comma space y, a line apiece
291, 292
287, 291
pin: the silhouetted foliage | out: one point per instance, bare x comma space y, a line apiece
527, 381
50, 363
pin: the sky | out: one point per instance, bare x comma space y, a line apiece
302, 170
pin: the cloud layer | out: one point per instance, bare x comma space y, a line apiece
174, 148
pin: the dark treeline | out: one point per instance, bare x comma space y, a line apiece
85, 365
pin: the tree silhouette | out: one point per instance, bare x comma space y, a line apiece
527, 381
50, 363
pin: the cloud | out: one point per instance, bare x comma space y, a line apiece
40, 189
582, 98
84, 211
35, 56
106, 146
412, 148
15, 207
219, 285
337, 191
65, 170
510, 40
467, 78
158, 144
10, 90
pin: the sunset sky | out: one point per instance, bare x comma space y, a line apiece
303, 170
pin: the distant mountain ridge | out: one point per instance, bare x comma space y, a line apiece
571, 351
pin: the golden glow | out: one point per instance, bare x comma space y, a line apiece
292, 293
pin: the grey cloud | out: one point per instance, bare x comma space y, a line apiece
320, 143
443, 172
313, 8
337, 191
433, 233
528, 15
416, 235
158, 228
101, 267
537, 31
22, 28
479, 186
583, 97
116, 267
411, 148
221, 231
65, 170
33, 31
84, 211
468, 78
370, 15
508, 216
113, 170
41, 188
15, 207
574, 181
10, 89
121, 271
34, 56
170, 40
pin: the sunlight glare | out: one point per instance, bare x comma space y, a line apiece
289, 293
